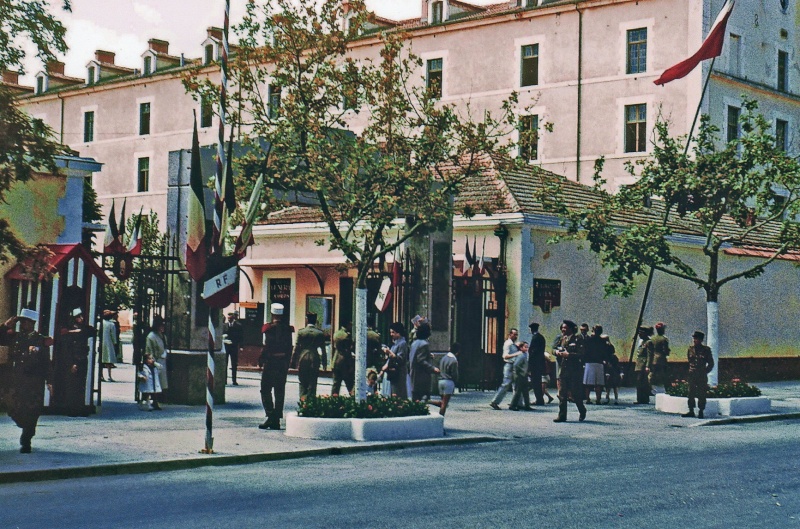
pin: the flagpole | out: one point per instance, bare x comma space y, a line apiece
666, 213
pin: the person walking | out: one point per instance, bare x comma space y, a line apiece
613, 373
274, 362
510, 351
421, 365
72, 365
594, 375
448, 377
110, 344
156, 346
644, 357
701, 362
31, 372
537, 363
308, 353
570, 352
658, 369
521, 398
232, 332
395, 369
343, 363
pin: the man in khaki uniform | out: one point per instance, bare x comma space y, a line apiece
701, 362
308, 352
344, 363
660, 347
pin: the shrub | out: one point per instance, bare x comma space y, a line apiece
734, 388
374, 407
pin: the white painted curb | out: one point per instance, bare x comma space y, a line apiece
390, 429
714, 407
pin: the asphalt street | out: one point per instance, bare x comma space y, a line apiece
732, 476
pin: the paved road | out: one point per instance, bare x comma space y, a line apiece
737, 476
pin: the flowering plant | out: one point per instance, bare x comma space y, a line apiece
373, 407
723, 390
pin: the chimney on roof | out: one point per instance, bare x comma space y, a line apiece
159, 46
104, 56
10, 77
56, 67
214, 32
424, 11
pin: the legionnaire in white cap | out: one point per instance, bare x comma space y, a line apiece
232, 338
274, 360
29, 353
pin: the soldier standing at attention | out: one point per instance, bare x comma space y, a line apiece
658, 369
275, 363
644, 356
701, 362
570, 351
72, 364
29, 353
344, 363
308, 352
232, 338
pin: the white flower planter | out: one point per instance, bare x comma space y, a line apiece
392, 429
715, 407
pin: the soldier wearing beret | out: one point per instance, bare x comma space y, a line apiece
275, 363
343, 361
644, 358
29, 353
307, 356
701, 362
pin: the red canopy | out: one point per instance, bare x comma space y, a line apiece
57, 262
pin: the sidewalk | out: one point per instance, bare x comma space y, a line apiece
122, 439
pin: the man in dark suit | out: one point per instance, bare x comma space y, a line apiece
536, 361
308, 352
701, 362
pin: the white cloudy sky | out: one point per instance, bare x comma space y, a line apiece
124, 26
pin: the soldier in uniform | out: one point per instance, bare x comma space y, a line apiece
344, 363
570, 352
275, 363
658, 368
644, 358
232, 338
308, 352
701, 362
72, 364
29, 353
374, 349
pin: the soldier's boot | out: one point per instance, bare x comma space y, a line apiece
700, 414
690, 413
562, 411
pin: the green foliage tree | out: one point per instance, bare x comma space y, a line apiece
364, 141
745, 192
26, 144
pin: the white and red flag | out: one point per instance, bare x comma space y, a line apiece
135, 242
711, 47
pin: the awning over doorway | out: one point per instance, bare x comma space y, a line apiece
56, 262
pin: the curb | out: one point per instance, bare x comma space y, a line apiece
748, 418
146, 467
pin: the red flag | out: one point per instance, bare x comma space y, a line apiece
711, 47
135, 243
196, 249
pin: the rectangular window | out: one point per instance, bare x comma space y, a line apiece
637, 51
783, 70
437, 12
209, 54
530, 65
734, 53
206, 113
636, 128
88, 127
39, 85
144, 119
526, 3
433, 81
733, 123
782, 134
274, 97
148, 65
143, 175
90, 75
529, 137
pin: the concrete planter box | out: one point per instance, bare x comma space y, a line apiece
392, 429
716, 407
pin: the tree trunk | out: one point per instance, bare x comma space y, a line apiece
360, 331
712, 338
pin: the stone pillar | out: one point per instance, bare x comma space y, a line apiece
433, 280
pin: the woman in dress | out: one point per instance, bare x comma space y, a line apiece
156, 346
421, 364
396, 367
110, 343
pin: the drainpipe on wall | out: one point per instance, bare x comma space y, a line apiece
61, 130
580, 95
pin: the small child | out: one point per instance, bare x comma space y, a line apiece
372, 381
448, 378
613, 373
149, 383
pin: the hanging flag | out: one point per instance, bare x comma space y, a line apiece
245, 237
481, 262
384, 297
228, 199
474, 261
135, 243
112, 233
222, 287
121, 228
711, 47
196, 249
467, 258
